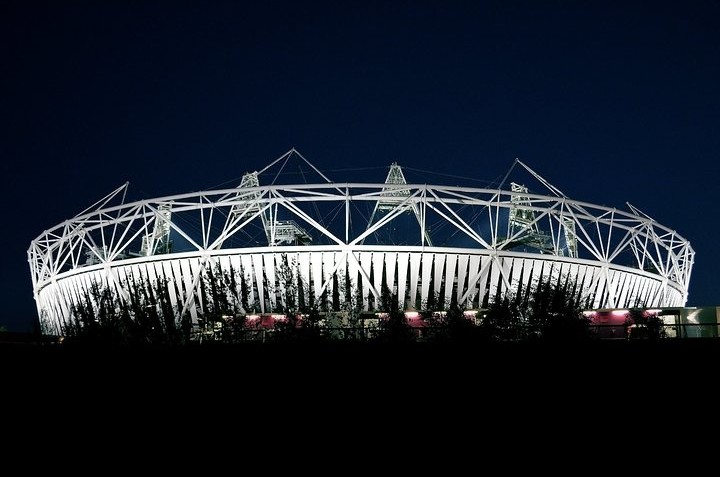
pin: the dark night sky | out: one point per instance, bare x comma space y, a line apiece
611, 102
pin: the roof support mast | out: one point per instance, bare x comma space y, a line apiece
393, 197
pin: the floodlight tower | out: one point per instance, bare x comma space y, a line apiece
392, 199
277, 232
158, 241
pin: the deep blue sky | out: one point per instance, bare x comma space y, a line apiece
611, 102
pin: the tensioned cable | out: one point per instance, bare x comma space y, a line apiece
450, 175
314, 203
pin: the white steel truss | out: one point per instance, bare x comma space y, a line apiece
620, 258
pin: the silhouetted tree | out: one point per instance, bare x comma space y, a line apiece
503, 319
393, 328
639, 325
555, 313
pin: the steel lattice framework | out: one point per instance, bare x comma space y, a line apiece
617, 258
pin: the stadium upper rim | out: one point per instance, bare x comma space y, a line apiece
351, 217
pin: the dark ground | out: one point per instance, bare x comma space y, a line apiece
382, 398
389, 365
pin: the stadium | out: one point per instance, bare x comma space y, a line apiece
287, 235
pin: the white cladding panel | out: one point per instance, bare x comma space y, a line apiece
462, 276
450, 276
474, 274
378, 258
269, 261
403, 260
390, 265
439, 260
247, 273
427, 263
415, 259
365, 264
257, 262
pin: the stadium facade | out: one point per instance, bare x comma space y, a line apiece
266, 246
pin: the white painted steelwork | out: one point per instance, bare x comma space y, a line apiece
618, 258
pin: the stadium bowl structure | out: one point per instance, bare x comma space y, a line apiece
265, 247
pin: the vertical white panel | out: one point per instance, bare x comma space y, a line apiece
517, 271
155, 275
224, 262
247, 276
572, 271
474, 272
352, 267
365, 264
186, 273
257, 262
555, 271
485, 266
587, 283
426, 263
269, 263
450, 264
580, 290
643, 287
599, 285
59, 295
590, 282
328, 269
633, 291
197, 270
496, 264
235, 270
341, 264
66, 289
438, 272
613, 278
505, 268
102, 278
644, 293
461, 274
415, 260
117, 284
122, 276
66, 301
98, 277
528, 274
654, 295
79, 284
283, 280
151, 276
304, 267
378, 259
623, 283
316, 263
294, 264
178, 274
538, 270
63, 297
168, 274
403, 260
627, 292
390, 259
236, 264
600, 280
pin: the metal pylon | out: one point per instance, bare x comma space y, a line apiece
392, 197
